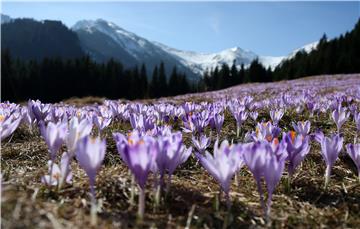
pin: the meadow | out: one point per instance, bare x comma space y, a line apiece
283, 154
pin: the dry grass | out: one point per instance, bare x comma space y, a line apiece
26, 203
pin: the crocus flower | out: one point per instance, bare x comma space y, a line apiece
54, 135
57, 175
76, 131
302, 128
255, 156
8, 124
223, 165
265, 131
273, 170
101, 122
354, 152
189, 126
297, 148
340, 116
39, 110
276, 116
330, 149
218, 122
266, 159
357, 123
240, 117
201, 144
139, 154
137, 121
254, 115
90, 154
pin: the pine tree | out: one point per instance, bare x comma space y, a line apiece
154, 86
174, 83
162, 80
234, 74
143, 82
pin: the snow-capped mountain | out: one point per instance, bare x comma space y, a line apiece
104, 40
200, 62
307, 48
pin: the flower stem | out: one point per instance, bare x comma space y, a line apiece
261, 195
327, 175
168, 184
141, 207
132, 194
268, 208
236, 180
93, 206
51, 171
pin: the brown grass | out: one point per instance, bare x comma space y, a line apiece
27, 203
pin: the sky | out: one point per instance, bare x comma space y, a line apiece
266, 28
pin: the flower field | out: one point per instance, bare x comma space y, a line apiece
284, 154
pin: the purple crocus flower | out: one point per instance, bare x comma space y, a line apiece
276, 116
8, 124
90, 154
201, 144
265, 159
357, 121
137, 121
101, 122
354, 152
218, 122
273, 170
58, 175
139, 154
302, 128
189, 126
254, 115
223, 165
330, 149
297, 148
54, 135
39, 110
77, 130
255, 156
240, 117
340, 116
265, 131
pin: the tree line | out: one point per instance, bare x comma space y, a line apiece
335, 56
55, 79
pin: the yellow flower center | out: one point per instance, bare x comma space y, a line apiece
2, 117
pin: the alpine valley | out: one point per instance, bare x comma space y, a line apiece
103, 40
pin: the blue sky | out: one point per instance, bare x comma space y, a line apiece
267, 28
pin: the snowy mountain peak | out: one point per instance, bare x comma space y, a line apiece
145, 51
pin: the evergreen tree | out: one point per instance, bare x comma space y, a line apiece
143, 82
162, 80
154, 86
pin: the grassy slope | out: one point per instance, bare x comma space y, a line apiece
27, 203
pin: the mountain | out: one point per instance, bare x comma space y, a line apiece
306, 48
29, 39
105, 40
